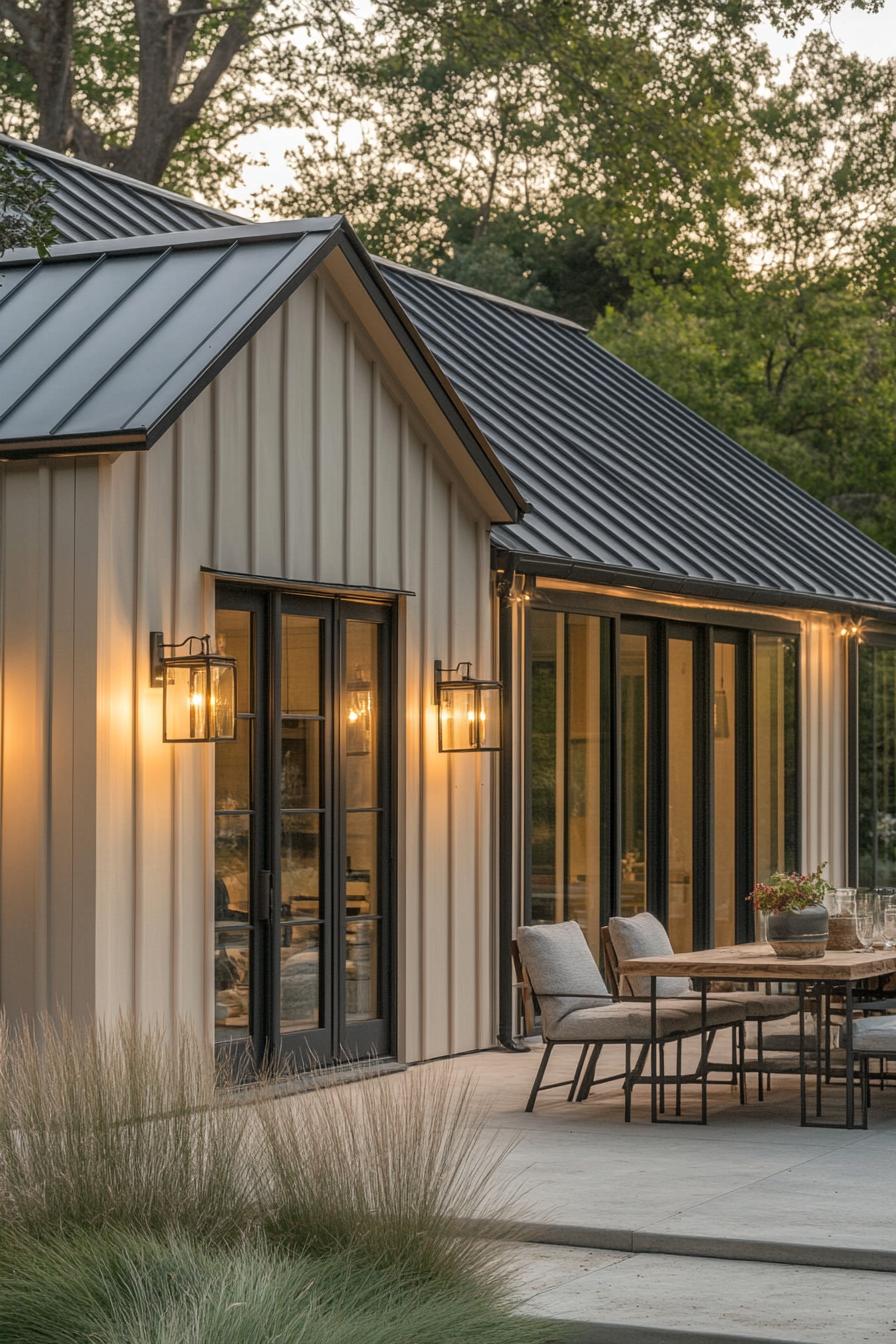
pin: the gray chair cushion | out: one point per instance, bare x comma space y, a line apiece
631, 1021
719, 1012
872, 1035
759, 1007
562, 971
643, 936
784, 1036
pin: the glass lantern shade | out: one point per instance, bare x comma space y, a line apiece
469, 715
199, 702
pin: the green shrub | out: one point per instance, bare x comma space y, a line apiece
119, 1288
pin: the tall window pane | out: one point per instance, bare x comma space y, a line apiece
681, 794
546, 753
234, 835
568, 730
775, 762
877, 766
635, 730
724, 739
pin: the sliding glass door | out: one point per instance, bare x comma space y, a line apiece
569, 762
662, 770
303, 823
875, 763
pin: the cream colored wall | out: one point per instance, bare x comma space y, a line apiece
823, 713
302, 461
49, 524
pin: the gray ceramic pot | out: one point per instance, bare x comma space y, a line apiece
799, 933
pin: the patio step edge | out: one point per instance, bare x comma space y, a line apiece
641, 1242
618, 1332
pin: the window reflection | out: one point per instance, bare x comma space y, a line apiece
877, 766
361, 973
724, 794
681, 794
635, 728
774, 753
231, 983
569, 726
299, 975
300, 683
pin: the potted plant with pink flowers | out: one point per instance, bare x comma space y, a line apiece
797, 916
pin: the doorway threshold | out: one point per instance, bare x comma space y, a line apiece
311, 1080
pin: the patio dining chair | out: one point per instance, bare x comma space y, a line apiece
577, 1008
642, 935
873, 1037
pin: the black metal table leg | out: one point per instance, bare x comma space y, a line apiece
704, 1050
801, 993
653, 1051
818, 1050
850, 1061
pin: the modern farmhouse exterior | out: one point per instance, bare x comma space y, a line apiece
345, 472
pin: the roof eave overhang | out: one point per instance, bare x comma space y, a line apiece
74, 445
576, 571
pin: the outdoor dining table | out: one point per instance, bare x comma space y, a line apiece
838, 973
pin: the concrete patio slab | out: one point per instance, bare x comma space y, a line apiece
652, 1297
752, 1184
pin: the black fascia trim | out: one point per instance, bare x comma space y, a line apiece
307, 587
74, 445
601, 575
242, 337
184, 238
415, 347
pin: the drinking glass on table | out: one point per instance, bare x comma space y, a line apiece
845, 901
865, 926
888, 920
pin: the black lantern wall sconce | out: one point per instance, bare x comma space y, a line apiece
469, 709
198, 688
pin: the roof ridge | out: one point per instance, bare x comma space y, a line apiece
177, 238
27, 147
527, 308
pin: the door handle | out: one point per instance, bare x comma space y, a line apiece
264, 896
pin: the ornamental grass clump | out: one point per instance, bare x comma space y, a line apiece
389, 1170
140, 1202
114, 1287
790, 891
116, 1125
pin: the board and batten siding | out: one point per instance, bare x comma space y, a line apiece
49, 523
301, 461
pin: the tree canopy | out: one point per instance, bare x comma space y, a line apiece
641, 166
26, 215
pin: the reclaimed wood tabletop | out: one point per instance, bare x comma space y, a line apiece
758, 961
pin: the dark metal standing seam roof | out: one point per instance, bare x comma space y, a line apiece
624, 482
110, 341
104, 344
92, 203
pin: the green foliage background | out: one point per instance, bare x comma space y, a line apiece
641, 166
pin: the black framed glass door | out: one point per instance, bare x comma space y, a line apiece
303, 867
693, 766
